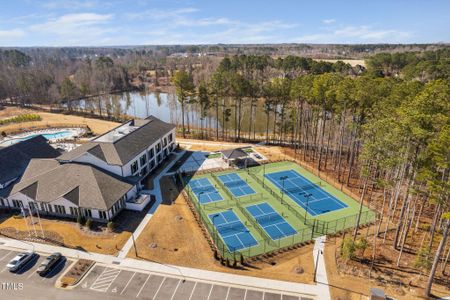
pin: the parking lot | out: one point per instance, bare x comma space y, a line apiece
107, 282
111, 281
27, 274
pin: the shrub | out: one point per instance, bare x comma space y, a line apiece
242, 259
234, 263
3, 134
89, 223
21, 119
361, 245
110, 226
423, 259
81, 220
216, 255
348, 249
228, 262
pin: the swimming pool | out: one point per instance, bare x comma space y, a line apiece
49, 136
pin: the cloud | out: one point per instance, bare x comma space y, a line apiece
160, 14
76, 29
356, 34
70, 4
12, 34
328, 21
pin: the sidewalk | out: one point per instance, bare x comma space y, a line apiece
157, 193
323, 291
315, 291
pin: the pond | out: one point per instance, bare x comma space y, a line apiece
166, 107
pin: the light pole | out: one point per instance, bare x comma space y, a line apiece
282, 178
307, 203
214, 226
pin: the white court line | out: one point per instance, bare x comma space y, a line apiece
174, 292
142, 287
160, 285
193, 289
127, 283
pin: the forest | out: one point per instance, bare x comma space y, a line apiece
383, 128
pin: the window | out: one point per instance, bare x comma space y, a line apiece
151, 153
170, 137
152, 164
102, 214
143, 171
17, 203
158, 147
60, 209
74, 211
159, 158
43, 206
143, 160
164, 142
87, 213
1, 202
134, 167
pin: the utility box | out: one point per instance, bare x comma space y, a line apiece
377, 294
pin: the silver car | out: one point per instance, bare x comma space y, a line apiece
19, 261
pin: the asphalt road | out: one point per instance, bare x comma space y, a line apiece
111, 282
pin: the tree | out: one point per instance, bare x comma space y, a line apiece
184, 88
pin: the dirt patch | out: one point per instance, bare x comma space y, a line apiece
350, 280
76, 272
52, 120
67, 234
173, 237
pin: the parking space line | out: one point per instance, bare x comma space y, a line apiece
174, 292
157, 291
228, 292
128, 283
3, 257
105, 279
142, 287
210, 290
245, 294
193, 289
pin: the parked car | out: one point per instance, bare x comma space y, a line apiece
20, 260
258, 156
49, 263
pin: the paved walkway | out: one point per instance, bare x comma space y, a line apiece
157, 193
276, 286
321, 274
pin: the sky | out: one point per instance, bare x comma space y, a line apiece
168, 22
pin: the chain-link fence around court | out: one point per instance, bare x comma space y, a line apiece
312, 229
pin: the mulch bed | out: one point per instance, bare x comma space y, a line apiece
76, 272
51, 237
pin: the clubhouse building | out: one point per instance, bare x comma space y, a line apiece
99, 178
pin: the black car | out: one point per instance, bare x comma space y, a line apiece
49, 263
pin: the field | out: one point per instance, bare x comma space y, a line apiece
248, 212
51, 120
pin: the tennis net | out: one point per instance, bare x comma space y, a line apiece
233, 226
234, 183
301, 188
268, 218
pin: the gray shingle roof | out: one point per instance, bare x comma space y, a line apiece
46, 180
123, 150
15, 158
234, 153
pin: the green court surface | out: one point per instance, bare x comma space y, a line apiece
285, 207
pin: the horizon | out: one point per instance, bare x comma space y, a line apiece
92, 23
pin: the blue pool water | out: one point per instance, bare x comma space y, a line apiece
48, 136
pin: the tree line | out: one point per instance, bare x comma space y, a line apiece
386, 129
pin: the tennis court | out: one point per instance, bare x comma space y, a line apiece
233, 232
310, 196
274, 224
236, 185
204, 190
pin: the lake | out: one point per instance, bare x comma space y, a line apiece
166, 107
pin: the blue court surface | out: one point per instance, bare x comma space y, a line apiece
235, 234
204, 190
236, 185
274, 224
308, 195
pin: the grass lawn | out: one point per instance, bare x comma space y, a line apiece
287, 208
